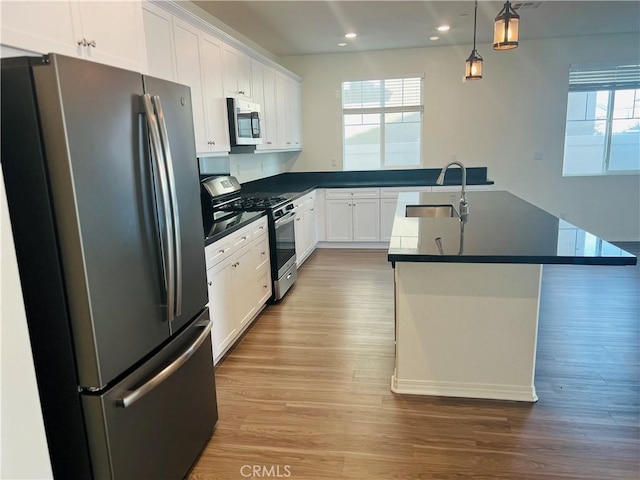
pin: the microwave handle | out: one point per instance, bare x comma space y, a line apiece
255, 124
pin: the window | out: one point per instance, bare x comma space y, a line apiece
603, 120
382, 123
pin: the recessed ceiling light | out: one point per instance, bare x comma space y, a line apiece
351, 35
434, 38
443, 28
342, 44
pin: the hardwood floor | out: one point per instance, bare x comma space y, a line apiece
305, 394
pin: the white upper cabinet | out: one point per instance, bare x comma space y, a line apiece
158, 30
188, 66
105, 32
215, 103
237, 73
289, 118
264, 94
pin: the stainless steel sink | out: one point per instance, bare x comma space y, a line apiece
440, 211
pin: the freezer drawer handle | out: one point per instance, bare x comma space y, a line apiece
132, 397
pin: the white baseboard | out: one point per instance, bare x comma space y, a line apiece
371, 245
467, 390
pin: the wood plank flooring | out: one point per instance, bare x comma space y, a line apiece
305, 394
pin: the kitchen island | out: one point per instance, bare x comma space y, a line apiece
467, 291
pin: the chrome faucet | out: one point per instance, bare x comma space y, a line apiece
464, 204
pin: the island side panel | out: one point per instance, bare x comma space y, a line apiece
466, 329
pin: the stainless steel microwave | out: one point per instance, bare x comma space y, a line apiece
244, 122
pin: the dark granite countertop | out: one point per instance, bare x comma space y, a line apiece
303, 182
500, 228
222, 228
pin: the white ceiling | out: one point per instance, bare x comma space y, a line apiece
301, 27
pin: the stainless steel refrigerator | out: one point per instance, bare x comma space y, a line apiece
102, 186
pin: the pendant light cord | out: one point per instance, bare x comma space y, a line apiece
475, 22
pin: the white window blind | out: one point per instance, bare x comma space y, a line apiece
583, 78
388, 93
382, 123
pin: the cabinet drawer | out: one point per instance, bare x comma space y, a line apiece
259, 227
242, 237
393, 192
260, 248
341, 193
217, 251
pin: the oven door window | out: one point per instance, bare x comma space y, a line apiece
285, 242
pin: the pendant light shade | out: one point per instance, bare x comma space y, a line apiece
505, 28
473, 66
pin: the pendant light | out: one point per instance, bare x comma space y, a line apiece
473, 66
505, 28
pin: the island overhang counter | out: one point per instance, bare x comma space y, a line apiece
467, 291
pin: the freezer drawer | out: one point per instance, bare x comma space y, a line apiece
159, 434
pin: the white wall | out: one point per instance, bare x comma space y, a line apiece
249, 166
501, 121
23, 445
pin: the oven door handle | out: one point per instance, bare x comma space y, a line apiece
288, 218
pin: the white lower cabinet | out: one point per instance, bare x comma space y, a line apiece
352, 215
305, 227
387, 214
239, 282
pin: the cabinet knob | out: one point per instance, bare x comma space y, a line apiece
209, 283
221, 251
263, 254
241, 92
268, 143
92, 43
82, 42
264, 286
244, 238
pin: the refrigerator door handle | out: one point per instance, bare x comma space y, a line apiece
131, 397
166, 237
164, 137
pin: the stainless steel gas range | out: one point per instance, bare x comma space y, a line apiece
226, 204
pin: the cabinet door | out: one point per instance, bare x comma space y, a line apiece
263, 285
366, 220
40, 27
219, 280
309, 223
295, 113
188, 66
117, 29
281, 112
269, 110
237, 73
300, 232
158, 30
339, 221
243, 63
243, 275
387, 214
215, 103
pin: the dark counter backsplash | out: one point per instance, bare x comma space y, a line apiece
299, 181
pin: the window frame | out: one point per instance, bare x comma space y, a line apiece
611, 83
382, 111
